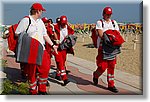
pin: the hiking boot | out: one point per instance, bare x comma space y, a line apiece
113, 89
68, 71
58, 78
95, 81
65, 82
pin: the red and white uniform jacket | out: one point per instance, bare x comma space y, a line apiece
47, 46
63, 32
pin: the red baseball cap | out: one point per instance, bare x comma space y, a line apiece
107, 10
38, 6
63, 19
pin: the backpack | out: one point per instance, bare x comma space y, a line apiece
12, 40
95, 36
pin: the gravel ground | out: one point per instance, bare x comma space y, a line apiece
129, 60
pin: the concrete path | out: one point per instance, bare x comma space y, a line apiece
80, 78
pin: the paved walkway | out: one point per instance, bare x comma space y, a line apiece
80, 78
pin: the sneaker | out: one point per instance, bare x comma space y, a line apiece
42, 93
95, 81
65, 82
113, 89
58, 78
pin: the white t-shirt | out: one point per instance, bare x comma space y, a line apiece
106, 26
63, 33
36, 29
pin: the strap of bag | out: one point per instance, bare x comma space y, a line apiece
111, 21
29, 24
102, 23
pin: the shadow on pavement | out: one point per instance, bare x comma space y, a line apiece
52, 79
13, 74
100, 86
81, 81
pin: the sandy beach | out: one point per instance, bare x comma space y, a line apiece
129, 60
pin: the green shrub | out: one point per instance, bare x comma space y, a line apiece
10, 88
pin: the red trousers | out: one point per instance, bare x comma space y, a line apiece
102, 66
48, 49
60, 59
37, 75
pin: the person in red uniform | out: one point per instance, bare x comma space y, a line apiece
37, 31
62, 30
50, 33
102, 26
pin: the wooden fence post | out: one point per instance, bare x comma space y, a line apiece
134, 43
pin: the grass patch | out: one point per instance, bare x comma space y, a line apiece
10, 88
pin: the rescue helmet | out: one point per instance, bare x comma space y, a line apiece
63, 20
107, 10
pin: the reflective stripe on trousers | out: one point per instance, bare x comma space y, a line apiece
63, 72
42, 81
33, 86
110, 80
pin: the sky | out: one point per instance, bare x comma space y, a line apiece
77, 12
